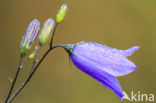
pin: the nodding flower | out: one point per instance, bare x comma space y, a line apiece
30, 35
102, 63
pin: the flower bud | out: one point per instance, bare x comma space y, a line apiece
61, 13
46, 30
29, 37
32, 55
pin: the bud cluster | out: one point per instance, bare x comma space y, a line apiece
33, 31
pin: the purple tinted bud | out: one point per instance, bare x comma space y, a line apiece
103, 63
31, 32
30, 36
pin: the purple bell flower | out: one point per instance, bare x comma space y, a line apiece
103, 63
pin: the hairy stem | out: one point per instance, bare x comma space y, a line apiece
15, 78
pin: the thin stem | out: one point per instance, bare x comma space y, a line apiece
32, 73
34, 70
34, 60
24, 62
52, 37
28, 79
15, 78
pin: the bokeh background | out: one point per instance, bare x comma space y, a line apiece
117, 23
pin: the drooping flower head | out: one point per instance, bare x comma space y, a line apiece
29, 37
46, 30
102, 63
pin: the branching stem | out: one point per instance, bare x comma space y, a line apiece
52, 37
33, 69
15, 78
32, 73
34, 59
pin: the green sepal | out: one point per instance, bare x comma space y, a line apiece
69, 48
23, 48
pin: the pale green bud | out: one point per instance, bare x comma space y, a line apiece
46, 30
61, 13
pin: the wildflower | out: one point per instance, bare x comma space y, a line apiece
29, 37
61, 14
46, 30
102, 63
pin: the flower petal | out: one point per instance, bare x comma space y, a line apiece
127, 52
91, 68
107, 59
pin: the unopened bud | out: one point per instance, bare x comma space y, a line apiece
31, 56
29, 37
46, 30
61, 13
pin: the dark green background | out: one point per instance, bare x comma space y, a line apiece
116, 23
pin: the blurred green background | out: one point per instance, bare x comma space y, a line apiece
117, 23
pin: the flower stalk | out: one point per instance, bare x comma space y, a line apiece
14, 80
32, 73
